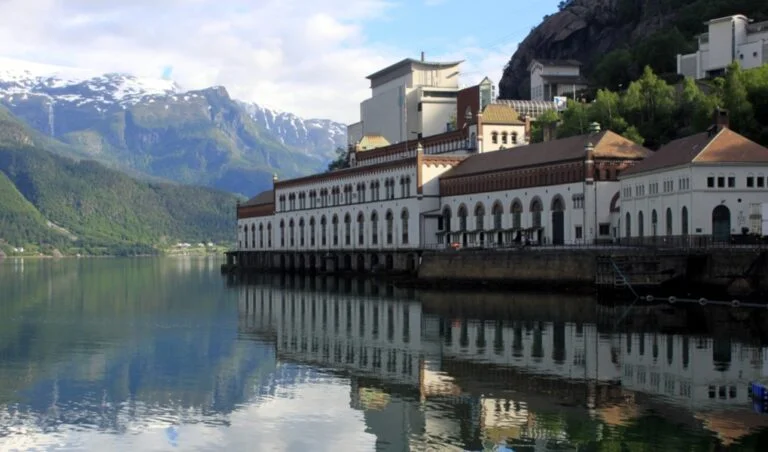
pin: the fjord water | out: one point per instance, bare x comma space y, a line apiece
168, 354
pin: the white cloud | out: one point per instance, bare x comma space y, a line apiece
307, 57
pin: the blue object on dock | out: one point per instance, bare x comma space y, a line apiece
759, 392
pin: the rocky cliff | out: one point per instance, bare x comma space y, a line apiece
587, 30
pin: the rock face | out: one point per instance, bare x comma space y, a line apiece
584, 30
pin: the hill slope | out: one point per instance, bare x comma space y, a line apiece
103, 208
152, 127
626, 35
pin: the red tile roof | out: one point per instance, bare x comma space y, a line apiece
726, 146
608, 145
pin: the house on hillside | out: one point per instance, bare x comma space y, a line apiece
704, 186
728, 39
553, 78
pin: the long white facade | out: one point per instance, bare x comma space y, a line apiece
728, 39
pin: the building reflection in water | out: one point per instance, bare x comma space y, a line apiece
550, 379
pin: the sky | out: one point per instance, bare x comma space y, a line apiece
308, 57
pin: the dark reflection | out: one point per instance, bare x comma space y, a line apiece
123, 343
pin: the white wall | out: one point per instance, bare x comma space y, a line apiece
721, 44
435, 114
354, 133
382, 115
699, 199
500, 129
573, 217
750, 55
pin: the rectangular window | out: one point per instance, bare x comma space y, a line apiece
710, 182
605, 228
578, 232
760, 182
720, 181
731, 182
750, 182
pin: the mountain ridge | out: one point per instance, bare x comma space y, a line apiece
152, 127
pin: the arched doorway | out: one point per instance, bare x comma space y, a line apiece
721, 224
374, 261
347, 262
558, 221
361, 262
312, 263
390, 260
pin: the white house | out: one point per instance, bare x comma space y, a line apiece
704, 185
553, 78
728, 39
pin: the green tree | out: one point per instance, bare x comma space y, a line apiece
694, 108
548, 118
649, 104
341, 161
736, 98
575, 119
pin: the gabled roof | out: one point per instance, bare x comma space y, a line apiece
265, 197
501, 114
410, 62
725, 146
372, 142
608, 145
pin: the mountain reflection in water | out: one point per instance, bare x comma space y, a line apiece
166, 354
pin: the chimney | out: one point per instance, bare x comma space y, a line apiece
720, 118
422, 56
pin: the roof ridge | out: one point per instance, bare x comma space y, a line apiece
706, 146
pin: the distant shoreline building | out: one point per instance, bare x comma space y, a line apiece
728, 39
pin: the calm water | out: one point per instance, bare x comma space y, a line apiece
164, 354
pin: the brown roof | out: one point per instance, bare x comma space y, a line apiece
608, 145
265, 197
501, 114
726, 146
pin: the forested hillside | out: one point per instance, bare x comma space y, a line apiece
653, 112
97, 210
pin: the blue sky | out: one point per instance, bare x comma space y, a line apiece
309, 57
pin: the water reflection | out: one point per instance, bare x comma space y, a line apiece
426, 379
157, 354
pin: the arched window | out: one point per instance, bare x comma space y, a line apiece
347, 229
654, 223
480, 217
335, 230
374, 228
290, 232
640, 231
684, 221
282, 233
628, 225
301, 232
360, 229
312, 231
323, 231
504, 137
495, 137
517, 214
536, 209
669, 221
404, 219
462, 218
253, 236
390, 227
514, 137
261, 235
498, 213
269, 235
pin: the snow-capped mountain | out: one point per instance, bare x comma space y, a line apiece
156, 127
318, 136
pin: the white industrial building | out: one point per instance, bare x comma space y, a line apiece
711, 185
728, 39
